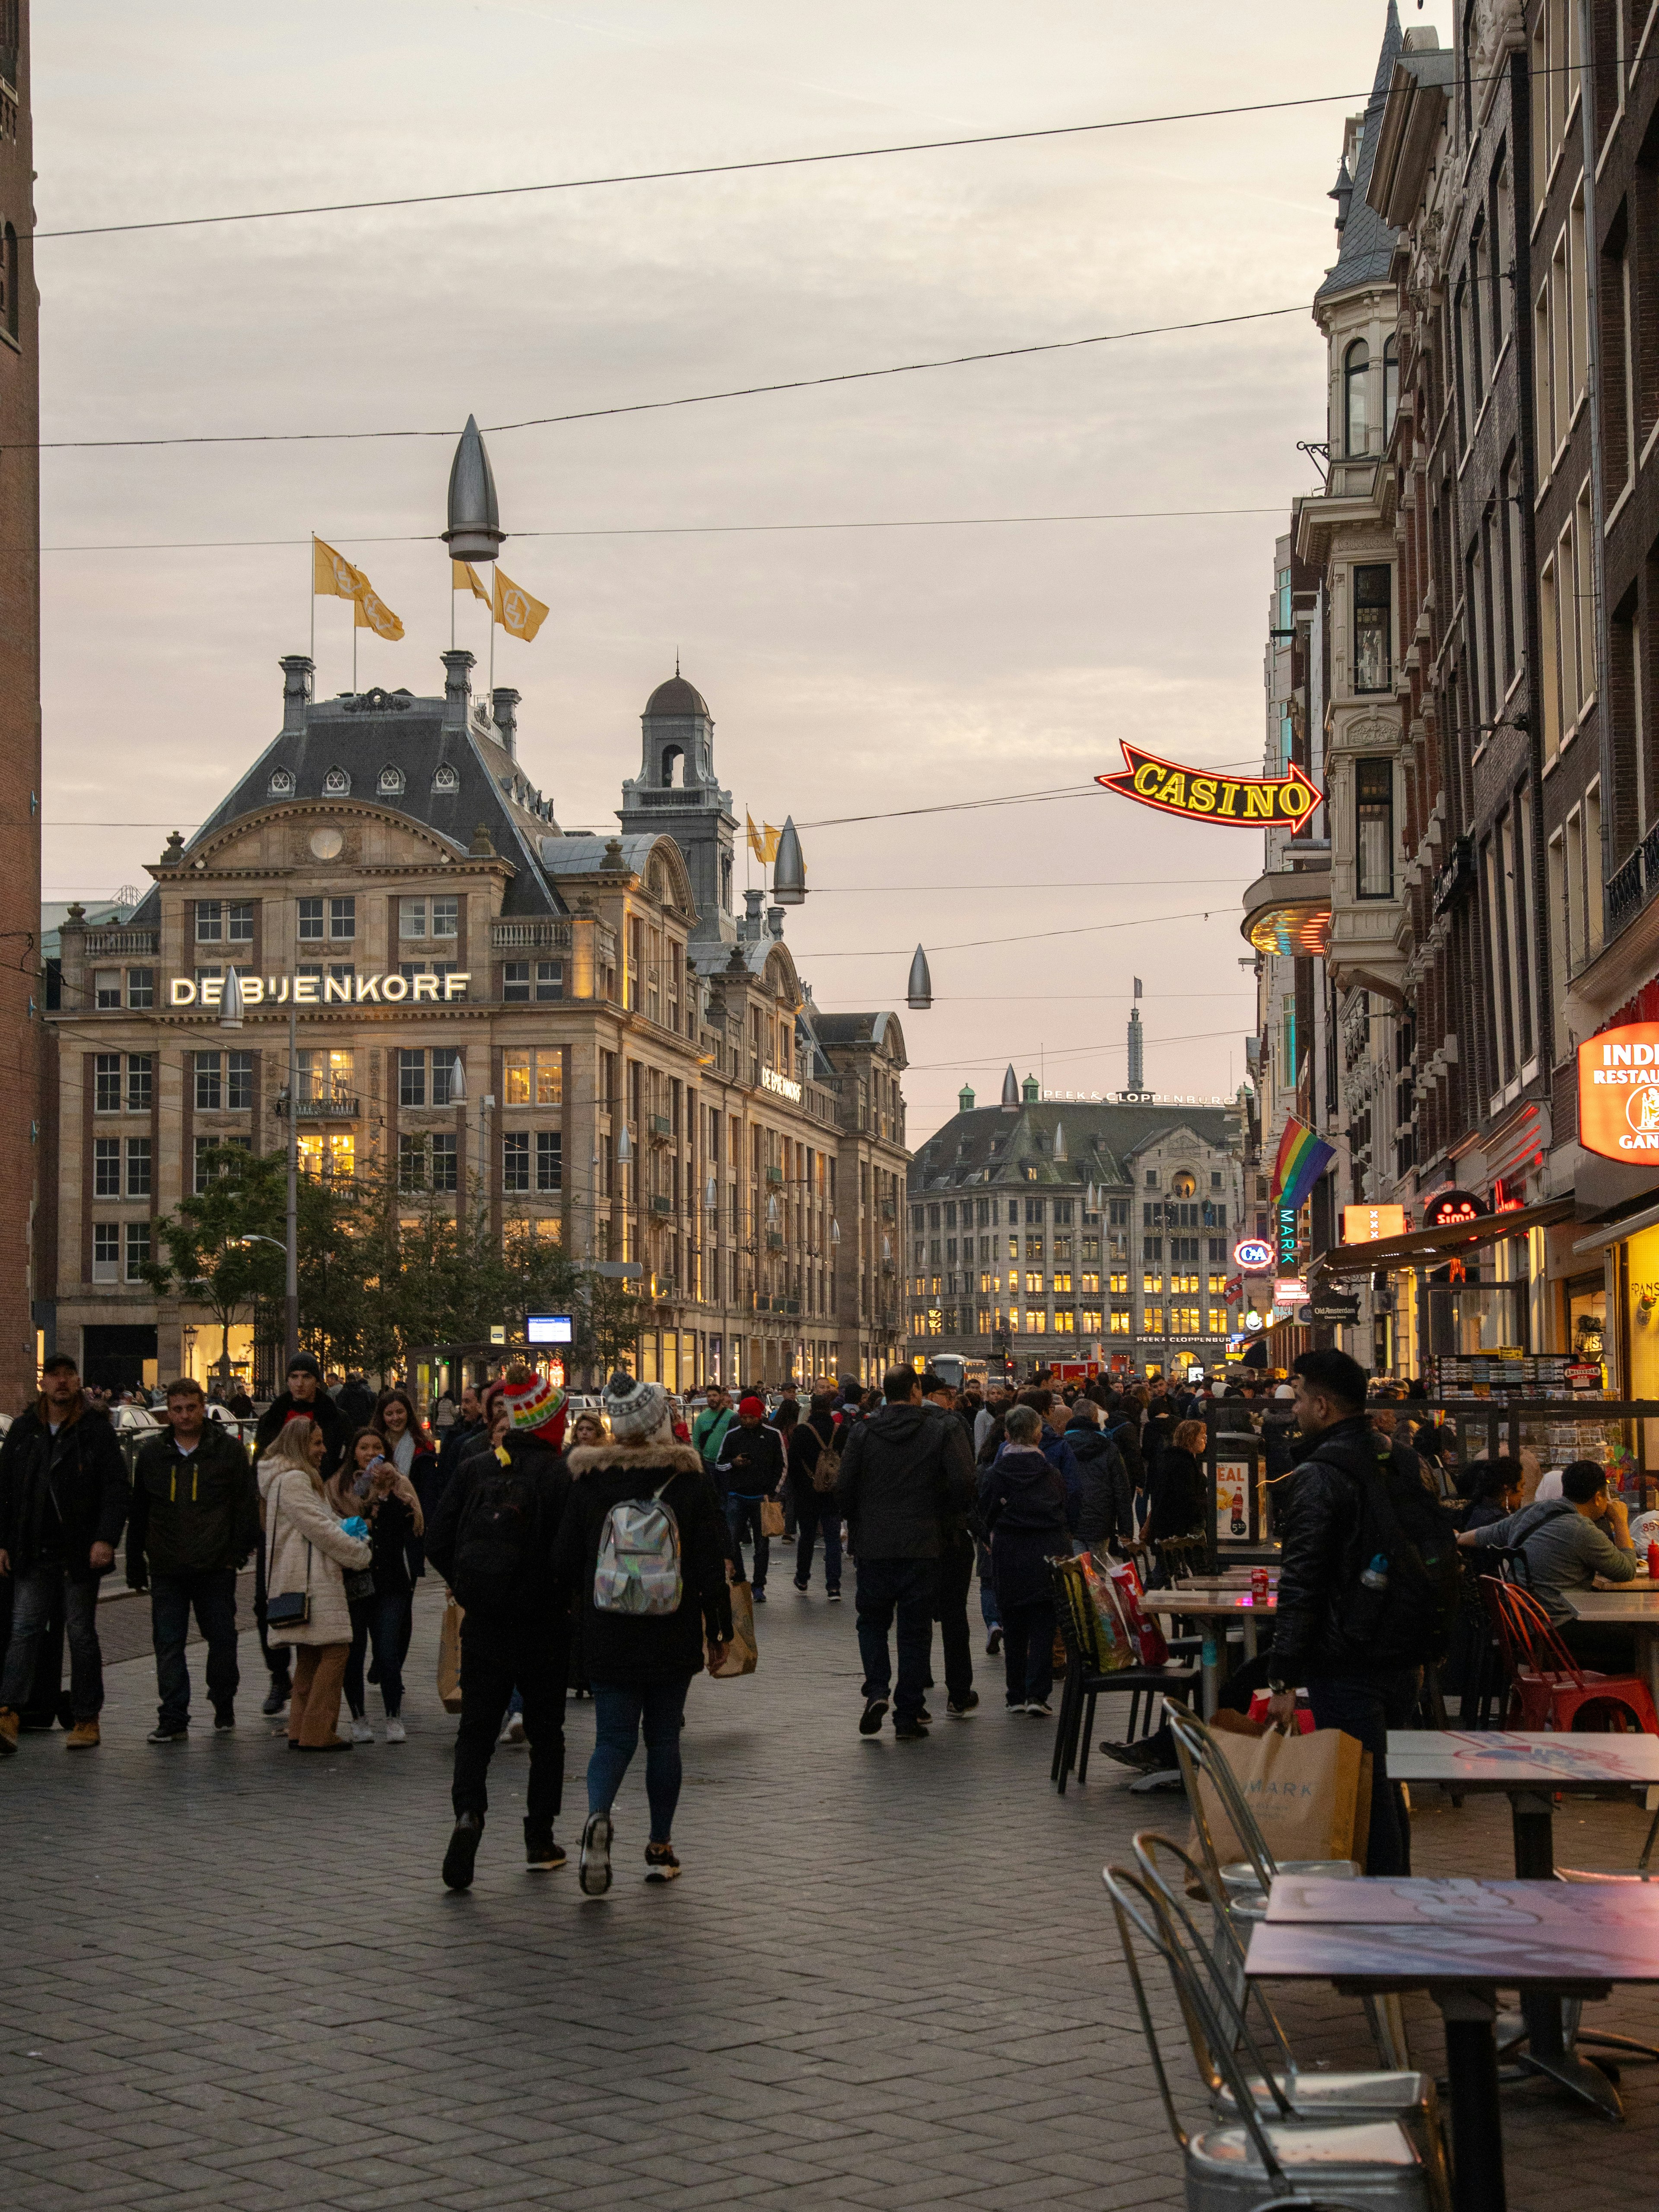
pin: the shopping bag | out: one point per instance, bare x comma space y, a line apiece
449, 1659
1115, 1644
741, 1653
1144, 1631
771, 1517
1304, 1791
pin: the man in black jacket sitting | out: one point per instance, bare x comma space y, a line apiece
905, 1475
195, 1521
64, 1498
491, 1538
1355, 1618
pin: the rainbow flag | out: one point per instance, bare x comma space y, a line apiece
1303, 1158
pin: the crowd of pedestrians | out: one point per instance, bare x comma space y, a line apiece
597, 1550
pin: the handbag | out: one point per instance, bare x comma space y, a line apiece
359, 1584
292, 1609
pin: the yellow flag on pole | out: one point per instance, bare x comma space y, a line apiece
466, 580
764, 846
518, 614
332, 576
370, 612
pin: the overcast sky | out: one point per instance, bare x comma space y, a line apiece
849, 672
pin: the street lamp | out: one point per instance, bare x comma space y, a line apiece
918, 991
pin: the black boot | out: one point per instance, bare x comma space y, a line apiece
464, 1843
541, 1854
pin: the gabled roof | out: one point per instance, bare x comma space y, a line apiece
452, 778
1368, 244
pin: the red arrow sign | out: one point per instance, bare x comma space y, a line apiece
1246, 803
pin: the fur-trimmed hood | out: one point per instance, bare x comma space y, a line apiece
665, 1458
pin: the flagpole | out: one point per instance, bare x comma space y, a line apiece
494, 581
313, 612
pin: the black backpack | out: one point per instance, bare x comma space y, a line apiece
493, 1543
1406, 1621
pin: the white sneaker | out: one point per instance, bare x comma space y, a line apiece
362, 1732
395, 1731
514, 1731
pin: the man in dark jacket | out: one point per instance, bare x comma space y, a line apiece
959, 1550
904, 1474
306, 1399
751, 1466
1106, 1513
465, 1432
195, 1520
491, 1538
1358, 1678
63, 1498
355, 1401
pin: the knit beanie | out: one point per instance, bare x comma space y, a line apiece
753, 1405
635, 1411
535, 1407
303, 1362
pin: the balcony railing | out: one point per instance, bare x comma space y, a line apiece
111, 944
1630, 890
511, 936
324, 1106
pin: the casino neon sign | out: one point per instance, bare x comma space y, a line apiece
1236, 802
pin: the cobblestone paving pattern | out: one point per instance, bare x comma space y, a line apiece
888, 1978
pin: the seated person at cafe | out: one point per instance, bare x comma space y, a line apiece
1567, 1541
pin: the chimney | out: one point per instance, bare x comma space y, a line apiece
297, 670
750, 927
502, 702
774, 921
458, 687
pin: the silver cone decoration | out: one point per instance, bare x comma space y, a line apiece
1059, 1141
457, 1082
789, 867
475, 532
230, 1003
918, 991
1010, 1091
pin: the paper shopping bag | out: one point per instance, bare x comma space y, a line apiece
771, 1517
741, 1653
449, 1659
1303, 1790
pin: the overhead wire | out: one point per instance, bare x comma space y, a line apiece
652, 406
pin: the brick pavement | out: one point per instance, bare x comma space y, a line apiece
888, 1978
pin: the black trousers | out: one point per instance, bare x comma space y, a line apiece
956, 1580
493, 1660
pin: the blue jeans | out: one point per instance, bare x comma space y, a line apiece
816, 1513
743, 1518
213, 1594
35, 1595
905, 1588
618, 1713
1367, 1706
384, 1618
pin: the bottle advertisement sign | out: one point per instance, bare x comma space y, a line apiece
1618, 1092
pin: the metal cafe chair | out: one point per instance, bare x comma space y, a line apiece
1237, 2166
1282, 2089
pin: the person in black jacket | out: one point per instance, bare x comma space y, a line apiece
750, 1467
305, 1399
640, 1664
1178, 1488
905, 1473
1352, 1682
816, 1508
959, 1550
491, 1538
1106, 1514
1021, 1500
195, 1521
63, 1498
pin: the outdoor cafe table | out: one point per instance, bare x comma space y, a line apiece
1462, 1940
1636, 1606
1193, 1603
1530, 1770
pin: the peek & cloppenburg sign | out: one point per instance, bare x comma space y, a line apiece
1619, 1091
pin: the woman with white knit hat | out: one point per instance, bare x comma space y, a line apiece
641, 1542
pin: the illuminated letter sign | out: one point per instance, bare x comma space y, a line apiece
275, 990
1244, 803
1451, 1209
1253, 1256
1618, 1092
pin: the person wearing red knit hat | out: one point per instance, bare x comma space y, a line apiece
491, 1538
749, 1470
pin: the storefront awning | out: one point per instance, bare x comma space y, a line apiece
1614, 1232
1425, 1247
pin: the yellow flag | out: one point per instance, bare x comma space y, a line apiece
332, 576
466, 580
756, 846
762, 843
372, 613
518, 614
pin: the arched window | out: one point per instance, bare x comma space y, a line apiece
1356, 381
1390, 387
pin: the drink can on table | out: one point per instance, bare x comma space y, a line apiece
1259, 1585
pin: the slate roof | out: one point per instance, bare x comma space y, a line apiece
676, 697
986, 1146
1368, 244
363, 734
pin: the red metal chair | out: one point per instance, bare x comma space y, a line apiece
1548, 1688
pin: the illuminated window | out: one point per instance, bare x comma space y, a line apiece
549, 1078
1013, 1248
1186, 1284
1151, 1285
1184, 1320
325, 1076
987, 1284
1063, 1283
331, 1154
1090, 1320
1065, 1322
1119, 1322
515, 1078
1218, 1321
1151, 1319
1034, 1283
1033, 1247
1090, 1285
985, 1320
1184, 1185
1119, 1283
1217, 1285
1036, 1321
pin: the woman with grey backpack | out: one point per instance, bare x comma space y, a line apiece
642, 1543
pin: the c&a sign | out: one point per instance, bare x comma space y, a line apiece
1618, 1092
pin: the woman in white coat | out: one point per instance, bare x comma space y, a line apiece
308, 1551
